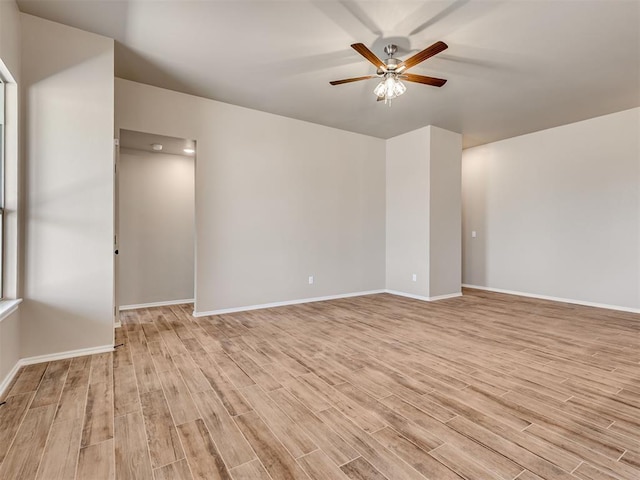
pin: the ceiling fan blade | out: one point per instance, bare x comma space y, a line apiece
369, 55
349, 80
436, 82
422, 56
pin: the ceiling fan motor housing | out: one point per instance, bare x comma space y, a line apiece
391, 63
390, 49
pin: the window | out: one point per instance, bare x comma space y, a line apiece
8, 186
2, 154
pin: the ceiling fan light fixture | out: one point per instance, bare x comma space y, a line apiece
392, 69
389, 88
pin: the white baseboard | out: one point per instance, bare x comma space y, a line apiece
444, 297
285, 303
322, 299
423, 298
408, 295
555, 299
63, 355
7, 380
50, 358
156, 304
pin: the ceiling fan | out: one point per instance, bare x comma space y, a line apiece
393, 70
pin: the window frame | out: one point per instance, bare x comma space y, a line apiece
3, 143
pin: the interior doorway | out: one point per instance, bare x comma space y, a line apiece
155, 221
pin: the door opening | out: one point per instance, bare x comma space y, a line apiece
155, 221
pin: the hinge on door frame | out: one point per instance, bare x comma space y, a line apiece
116, 142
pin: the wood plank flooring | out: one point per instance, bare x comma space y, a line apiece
486, 386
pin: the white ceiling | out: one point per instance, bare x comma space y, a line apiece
513, 66
145, 141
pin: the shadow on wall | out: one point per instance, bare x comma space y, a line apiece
68, 98
59, 200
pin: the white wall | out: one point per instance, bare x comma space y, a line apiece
277, 199
10, 36
67, 86
557, 212
156, 227
407, 212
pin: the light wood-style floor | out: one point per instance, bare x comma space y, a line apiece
486, 386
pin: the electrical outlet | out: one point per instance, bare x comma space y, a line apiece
414, 277
473, 234
310, 279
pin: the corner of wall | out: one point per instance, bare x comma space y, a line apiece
535, 198
67, 272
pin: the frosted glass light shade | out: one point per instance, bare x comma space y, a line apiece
380, 90
389, 88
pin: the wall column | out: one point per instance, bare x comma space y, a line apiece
423, 213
